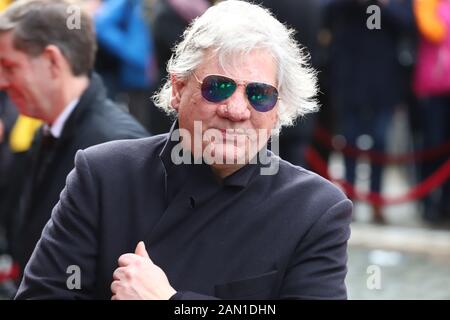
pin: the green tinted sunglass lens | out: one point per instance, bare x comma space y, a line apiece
217, 88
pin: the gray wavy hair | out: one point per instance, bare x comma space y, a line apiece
237, 27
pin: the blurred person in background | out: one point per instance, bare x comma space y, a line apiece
432, 87
8, 116
305, 17
16, 136
367, 80
125, 36
46, 70
169, 18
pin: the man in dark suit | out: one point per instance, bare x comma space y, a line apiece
368, 74
8, 116
46, 69
206, 211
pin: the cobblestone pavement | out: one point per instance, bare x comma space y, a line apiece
402, 275
411, 257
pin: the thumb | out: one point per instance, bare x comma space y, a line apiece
141, 251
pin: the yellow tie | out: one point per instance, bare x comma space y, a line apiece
4, 4
22, 133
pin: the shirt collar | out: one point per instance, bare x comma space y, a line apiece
57, 127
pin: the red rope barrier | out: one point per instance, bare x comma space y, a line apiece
417, 192
11, 274
325, 138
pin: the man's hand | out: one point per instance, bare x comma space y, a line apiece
138, 278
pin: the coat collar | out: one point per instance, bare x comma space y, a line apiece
94, 94
199, 179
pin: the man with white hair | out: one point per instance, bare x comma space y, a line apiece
213, 213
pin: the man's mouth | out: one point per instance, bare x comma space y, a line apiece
232, 135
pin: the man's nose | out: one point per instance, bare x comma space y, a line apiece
237, 106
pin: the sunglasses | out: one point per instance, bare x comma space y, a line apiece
216, 88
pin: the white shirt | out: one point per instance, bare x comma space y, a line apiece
58, 126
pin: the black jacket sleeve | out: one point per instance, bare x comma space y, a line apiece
318, 267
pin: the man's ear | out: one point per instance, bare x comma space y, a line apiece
56, 60
178, 86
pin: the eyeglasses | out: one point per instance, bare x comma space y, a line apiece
216, 88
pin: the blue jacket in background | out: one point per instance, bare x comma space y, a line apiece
122, 30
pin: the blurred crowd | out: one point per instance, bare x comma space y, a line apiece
366, 73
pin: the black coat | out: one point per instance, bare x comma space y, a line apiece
250, 236
364, 66
8, 116
94, 120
